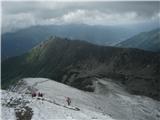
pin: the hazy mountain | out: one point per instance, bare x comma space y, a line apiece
145, 40
77, 63
19, 42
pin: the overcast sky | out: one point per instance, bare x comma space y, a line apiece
16, 15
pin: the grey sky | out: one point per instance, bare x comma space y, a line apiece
16, 15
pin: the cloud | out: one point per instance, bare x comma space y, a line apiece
156, 17
99, 18
17, 21
17, 15
95, 17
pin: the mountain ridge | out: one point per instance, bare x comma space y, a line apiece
19, 42
77, 63
149, 41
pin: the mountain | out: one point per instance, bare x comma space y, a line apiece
146, 40
77, 63
18, 42
109, 102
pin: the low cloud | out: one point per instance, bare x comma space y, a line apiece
17, 21
99, 18
40, 13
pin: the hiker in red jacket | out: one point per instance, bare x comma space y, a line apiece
68, 100
34, 94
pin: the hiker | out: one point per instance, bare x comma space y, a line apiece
40, 94
34, 94
68, 100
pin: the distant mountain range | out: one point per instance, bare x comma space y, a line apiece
19, 42
146, 40
78, 63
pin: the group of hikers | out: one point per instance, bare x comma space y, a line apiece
39, 94
34, 94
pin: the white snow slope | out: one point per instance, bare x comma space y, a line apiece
109, 102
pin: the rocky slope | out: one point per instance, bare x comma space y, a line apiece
110, 101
